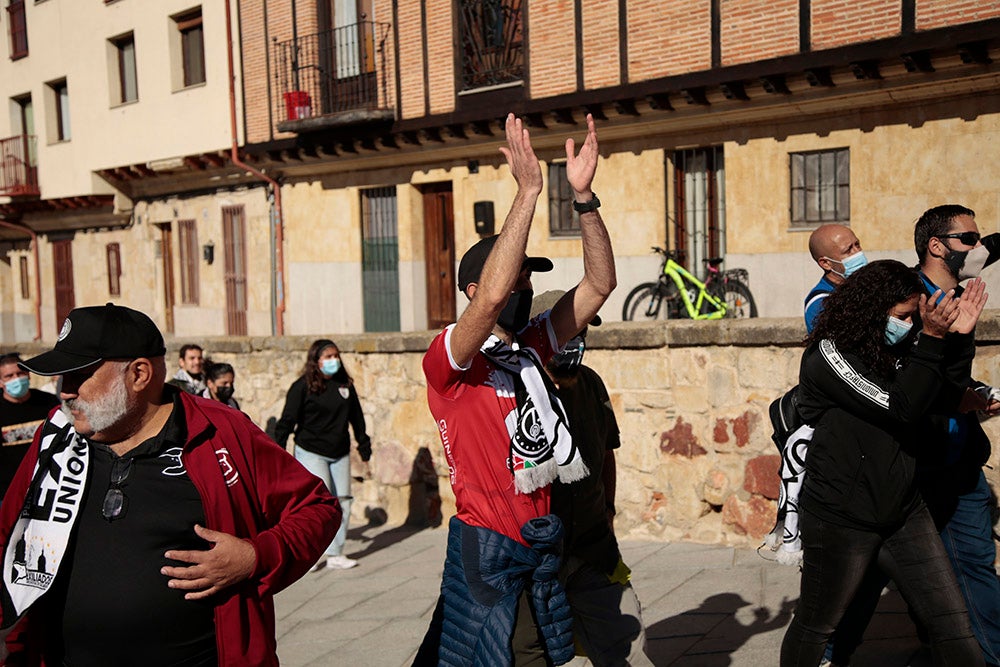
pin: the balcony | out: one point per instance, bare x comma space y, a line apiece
18, 171
335, 78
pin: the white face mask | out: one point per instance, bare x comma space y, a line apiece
972, 262
851, 263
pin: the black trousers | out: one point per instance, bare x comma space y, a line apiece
835, 559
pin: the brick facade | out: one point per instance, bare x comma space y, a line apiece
665, 39
758, 30
939, 13
552, 48
411, 52
440, 56
601, 60
840, 22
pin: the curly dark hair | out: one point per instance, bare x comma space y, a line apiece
315, 380
855, 314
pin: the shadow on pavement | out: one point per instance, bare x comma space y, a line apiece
711, 633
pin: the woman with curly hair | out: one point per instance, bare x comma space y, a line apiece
867, 386
318, 408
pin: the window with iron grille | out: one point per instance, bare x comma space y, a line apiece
114, 255
18, 28
563, 220
22, 266
492, 34
123, 49
188, 238
380, 259
192, 47
699, 205
821, 186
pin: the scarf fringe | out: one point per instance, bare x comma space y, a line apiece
527, 480
573, 471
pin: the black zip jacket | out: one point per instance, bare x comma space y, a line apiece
320, 421
861, 467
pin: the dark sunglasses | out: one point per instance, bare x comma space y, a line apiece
115, 500
967, 238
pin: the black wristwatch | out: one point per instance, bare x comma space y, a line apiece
587, 207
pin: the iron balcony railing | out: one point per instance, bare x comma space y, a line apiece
335, 71
18, 173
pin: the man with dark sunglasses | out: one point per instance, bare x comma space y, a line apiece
951, 250
148, 526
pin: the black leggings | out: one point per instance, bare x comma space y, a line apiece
835, 559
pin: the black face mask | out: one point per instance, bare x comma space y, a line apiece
516, 313
224, 393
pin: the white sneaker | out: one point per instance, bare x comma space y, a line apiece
340, 562
320, 564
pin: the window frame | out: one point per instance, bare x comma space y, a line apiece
187, 239
22, 266
58, 122
113, 258
560, 195
190, 24
120, 46
17, 30
832, 198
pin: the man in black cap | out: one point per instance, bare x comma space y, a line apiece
171, 519
503, 429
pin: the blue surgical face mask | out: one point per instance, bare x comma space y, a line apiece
850, 264
329, 366
896, 330
17, 387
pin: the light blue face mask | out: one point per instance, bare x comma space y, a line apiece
17, 387
896, 330
329, 366
851, 264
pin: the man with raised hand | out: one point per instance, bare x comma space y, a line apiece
503, 428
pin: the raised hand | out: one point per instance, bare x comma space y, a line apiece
580, 167
524, 166
938, 316
970, 306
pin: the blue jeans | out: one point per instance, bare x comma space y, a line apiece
336, 474
968, 539
835, 561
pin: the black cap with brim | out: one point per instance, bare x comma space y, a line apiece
474, 259
93, 334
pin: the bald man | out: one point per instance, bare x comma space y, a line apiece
837, 251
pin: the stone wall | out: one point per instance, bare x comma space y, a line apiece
696, 462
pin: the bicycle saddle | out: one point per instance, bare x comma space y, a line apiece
713, 261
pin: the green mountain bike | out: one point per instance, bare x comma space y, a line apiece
677, 293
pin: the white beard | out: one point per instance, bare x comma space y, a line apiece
104, 412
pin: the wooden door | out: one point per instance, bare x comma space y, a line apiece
439, 254
234, 239
167, 261
62, 268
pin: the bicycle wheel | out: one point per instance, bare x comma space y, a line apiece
647, 301
739, 300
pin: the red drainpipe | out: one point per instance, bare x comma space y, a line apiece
38, 275
279, 234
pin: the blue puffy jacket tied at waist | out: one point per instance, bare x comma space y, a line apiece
484, 575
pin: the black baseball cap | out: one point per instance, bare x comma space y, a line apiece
95, 333
474, 259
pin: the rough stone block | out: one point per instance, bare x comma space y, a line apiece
754, 517
681, 440
762, 476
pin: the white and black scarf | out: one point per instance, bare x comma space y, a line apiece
38, 541
541, 447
